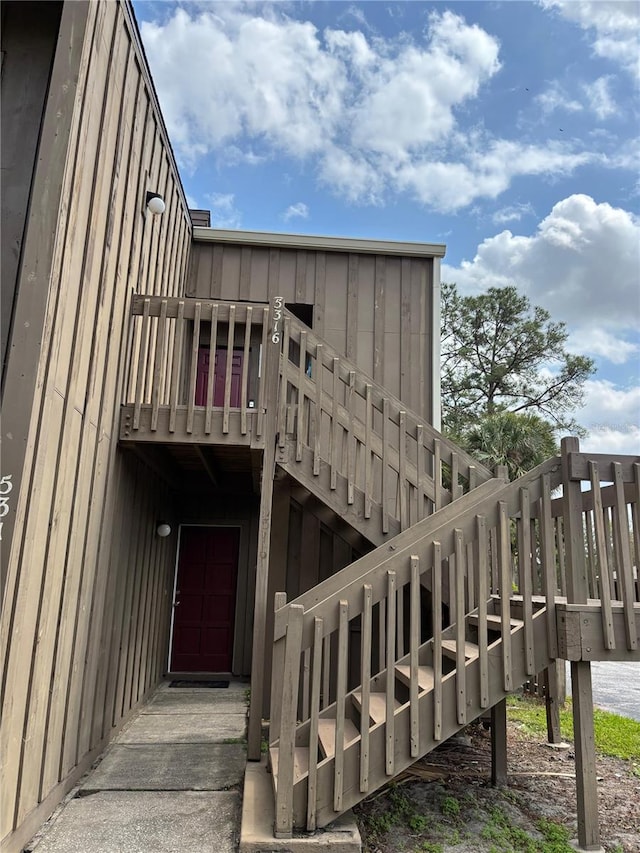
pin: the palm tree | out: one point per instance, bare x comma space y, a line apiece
519, 441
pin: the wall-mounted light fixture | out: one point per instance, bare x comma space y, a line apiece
163, 529
155, 203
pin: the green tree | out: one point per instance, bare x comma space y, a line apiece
500, 353
518, 440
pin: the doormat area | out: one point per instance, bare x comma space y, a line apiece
199, 684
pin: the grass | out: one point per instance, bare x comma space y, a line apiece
614, 735
504, 837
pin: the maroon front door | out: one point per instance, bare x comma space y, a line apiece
205, 600
202, 377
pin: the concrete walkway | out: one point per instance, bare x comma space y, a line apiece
170, 782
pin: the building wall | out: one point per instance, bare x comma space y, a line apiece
375, 309
26, 68
86, 607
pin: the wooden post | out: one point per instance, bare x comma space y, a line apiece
553, 700
499, 744
271, 361
577, 586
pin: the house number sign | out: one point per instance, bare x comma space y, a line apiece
5, 490
278, 303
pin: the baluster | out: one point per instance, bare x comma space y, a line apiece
213, 348
603, 562
244, 385
402, 468
176, 366
313, 723
335, 426
142, 363
351, 455
341, 692
318, 410
158, 373
560, 546
326, 672
391, 674
302, 376
624, 558
420, 465
461, 674
436, 618
548, 563
483, 597
414, 645
261, 383
505, 592
367, 451
193, 366
282, 403
456, 488
524, 564
385, 464
437, 474
367, 630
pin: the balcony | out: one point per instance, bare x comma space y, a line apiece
173, 391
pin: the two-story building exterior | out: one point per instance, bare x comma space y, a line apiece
221, 456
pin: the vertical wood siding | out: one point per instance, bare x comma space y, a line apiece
86, 611
374, 309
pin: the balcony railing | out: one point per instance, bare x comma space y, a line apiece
195, 371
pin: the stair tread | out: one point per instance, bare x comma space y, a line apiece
425, 675
300, 762
327, 734
495, 619
377, 705
471, 651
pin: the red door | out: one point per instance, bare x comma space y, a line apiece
202, 377
205, 600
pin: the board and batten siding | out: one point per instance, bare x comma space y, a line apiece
86, 609
375, 309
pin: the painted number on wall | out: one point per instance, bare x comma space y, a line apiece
278, 304
5, 490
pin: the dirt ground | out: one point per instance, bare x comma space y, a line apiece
445, 803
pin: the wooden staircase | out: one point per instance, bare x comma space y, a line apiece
455, 607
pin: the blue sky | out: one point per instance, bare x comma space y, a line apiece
508, 131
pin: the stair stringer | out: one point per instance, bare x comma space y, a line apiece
351, 794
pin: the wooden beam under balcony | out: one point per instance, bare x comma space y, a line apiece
179, 434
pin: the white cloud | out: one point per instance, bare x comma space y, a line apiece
599, 96
374, 115
512, 213
612, 417
599, 342
296, 211
489, 171
223, 211
556, 98
581, 263
614, 25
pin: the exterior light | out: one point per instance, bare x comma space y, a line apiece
155, 203
163, 529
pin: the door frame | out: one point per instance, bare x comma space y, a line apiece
238, 621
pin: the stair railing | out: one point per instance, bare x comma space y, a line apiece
359, 625
604, 522
331, 409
